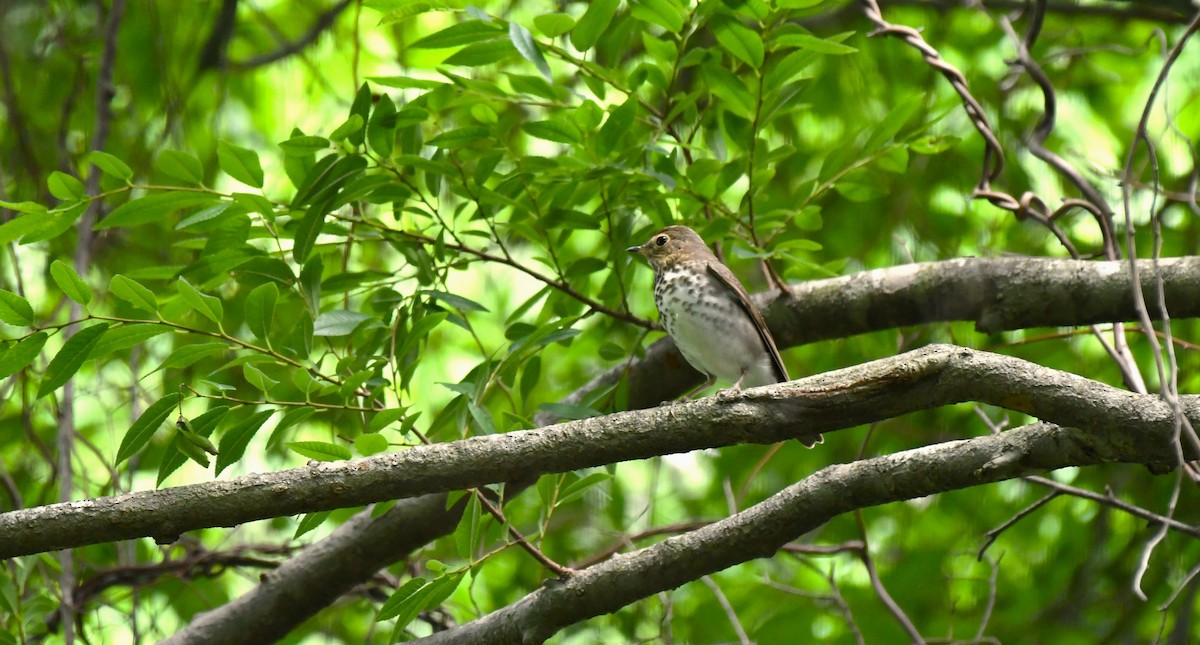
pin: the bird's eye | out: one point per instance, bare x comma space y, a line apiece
660, 240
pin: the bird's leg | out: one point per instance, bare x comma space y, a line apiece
732, 392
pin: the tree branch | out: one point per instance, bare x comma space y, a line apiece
1123, 426
761, 530
998, 294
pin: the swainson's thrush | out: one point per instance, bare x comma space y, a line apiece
708, 313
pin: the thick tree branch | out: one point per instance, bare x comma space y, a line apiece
322, 573
763, 529
922, 379
998, 294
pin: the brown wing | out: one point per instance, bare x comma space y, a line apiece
727, 278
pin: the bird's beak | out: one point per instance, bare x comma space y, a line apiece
635, 249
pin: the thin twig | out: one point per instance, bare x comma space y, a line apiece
877, 584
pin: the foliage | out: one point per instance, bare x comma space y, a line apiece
413, 231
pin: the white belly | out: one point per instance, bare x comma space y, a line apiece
718, 338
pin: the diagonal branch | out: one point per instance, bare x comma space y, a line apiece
763, 529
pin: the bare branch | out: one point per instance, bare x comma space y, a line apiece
1121, 426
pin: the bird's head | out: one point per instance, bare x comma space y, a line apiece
671, 245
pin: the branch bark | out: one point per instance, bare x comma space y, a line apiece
1124, 427
997, 294
761, 530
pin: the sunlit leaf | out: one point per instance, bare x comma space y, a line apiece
64, 186
70, 283
320, 450
133, 292
14, 309
17, 357
593, 23
240, 163
110, 165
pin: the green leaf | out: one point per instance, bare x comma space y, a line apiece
260, 309
17, 357
14, 309
310, 521
110, 165
23, 207
385, 418
290, 418
152, 208
46, 226
931, 145
812, 43
568, 411
730, 89
593, 23
338, 322
181, 165
207, 306
146, 425
553, 25
19, 227
133, 292
126, 336
739, 40
397, 601
901, 113
240, 163
485, 53
527, 47
310, 283
459, 137
406, 82
460, 303
65, 187
304, 145
580, 486
459, 34
320, 450
370, 443
427, 597
362, 109
257, 378
556, 129
70, 282
70, 358
663, 13
187, 355
466, 536
381, 130
483, 418
309, 230
234, 441
327, 178
616, 127
352, 125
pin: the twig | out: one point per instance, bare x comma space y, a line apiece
323, 22
1022, 514
743, 637
877, 584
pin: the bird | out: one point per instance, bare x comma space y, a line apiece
708, 313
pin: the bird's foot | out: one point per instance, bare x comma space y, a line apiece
729, 394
